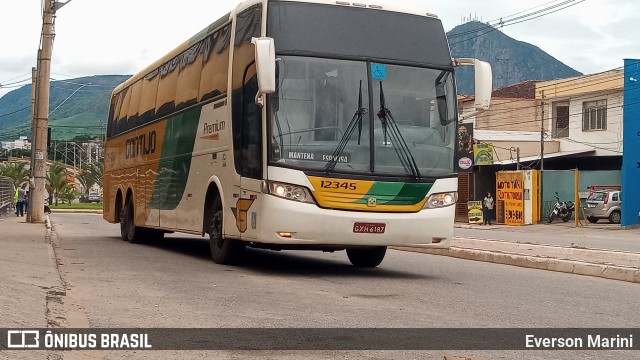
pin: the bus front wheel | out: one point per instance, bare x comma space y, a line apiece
366, 257
223, 251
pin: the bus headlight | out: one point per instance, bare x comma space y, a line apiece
290, 192
441, 200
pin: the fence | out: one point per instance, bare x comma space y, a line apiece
7, 192
563, 182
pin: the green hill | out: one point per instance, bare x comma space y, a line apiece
76, 107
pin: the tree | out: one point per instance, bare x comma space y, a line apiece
86, 179
68, 193
89, 175
56, 181
17, 171
97, 171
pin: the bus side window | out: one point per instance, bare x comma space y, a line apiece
134, 105
189, 76
123, 106
111, 122
147, 108
251, 135
165, 101
215, 67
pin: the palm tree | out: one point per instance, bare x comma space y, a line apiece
56, 181
17, 172
89, 175
86, 179
97, 172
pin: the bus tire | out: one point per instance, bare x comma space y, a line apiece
366, 257
123, 224
134, 234
223, 251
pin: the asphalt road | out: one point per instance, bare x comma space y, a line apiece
173, 283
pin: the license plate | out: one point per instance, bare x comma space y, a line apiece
591, 205
369, 228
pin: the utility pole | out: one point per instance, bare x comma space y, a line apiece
34, 87
41, 118
542, 134
541, 197
39, 152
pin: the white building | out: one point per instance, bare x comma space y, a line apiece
21, 143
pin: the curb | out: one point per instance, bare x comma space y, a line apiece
75, 211
607, 271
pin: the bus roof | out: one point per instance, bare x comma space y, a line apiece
376, 4
384, 5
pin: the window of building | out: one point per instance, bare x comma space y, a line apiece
560, 119
594, 115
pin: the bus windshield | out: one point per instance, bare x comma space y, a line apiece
329, 115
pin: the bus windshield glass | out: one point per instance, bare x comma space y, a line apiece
362, 118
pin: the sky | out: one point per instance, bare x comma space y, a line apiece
124, 36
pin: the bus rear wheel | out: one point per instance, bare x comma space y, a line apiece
366, 257
128, 230
223, 251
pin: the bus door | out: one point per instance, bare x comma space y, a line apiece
247, 122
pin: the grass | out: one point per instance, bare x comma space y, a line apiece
77, 206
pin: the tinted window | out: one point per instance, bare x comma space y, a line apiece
316, 29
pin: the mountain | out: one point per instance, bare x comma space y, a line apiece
512, 61
76, 107
78, 110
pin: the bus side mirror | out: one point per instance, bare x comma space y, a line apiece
483, 82
265, 67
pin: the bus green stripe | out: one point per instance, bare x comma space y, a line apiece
175, 160
389, 193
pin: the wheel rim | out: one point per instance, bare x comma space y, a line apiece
615, 217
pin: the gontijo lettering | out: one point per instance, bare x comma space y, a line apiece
143, 144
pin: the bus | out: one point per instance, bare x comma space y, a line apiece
293, 125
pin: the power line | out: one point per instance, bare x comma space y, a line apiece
17, 111
514, 20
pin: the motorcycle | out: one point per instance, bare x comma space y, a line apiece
562, 210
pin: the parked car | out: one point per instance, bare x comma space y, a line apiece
92, 197
604, 204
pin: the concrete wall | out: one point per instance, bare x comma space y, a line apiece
510, 114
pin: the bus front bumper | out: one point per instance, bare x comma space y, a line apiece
295, 223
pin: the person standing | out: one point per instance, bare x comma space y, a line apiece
20, 204
487, 206
25, 201
16, 201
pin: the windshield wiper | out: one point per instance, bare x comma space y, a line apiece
390, 126
356, 120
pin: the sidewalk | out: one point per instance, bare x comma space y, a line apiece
600, 250
29, 275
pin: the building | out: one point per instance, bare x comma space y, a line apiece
576, 123
22, 143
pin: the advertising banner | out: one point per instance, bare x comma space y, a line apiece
475, 212
464, 155
483, 154
510, 189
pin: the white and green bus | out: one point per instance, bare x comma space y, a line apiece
288, 124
